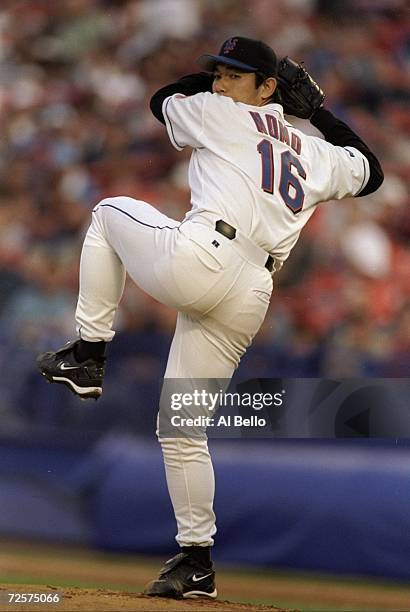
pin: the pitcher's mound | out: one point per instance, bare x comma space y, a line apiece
93, 600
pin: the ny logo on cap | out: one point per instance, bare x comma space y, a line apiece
229, 45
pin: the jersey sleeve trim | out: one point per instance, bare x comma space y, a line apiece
366, 174
168, 123
365, 179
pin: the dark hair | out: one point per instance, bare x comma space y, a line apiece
259, 79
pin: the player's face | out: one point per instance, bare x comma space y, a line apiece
240, 86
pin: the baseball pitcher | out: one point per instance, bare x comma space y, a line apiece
255, 181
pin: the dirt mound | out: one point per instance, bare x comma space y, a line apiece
90, 600
95, 580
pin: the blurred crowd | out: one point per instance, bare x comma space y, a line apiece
75, 81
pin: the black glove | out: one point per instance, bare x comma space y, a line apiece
301, 95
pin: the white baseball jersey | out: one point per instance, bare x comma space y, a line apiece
255, 170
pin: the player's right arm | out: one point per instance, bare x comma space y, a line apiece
339, 134
182, 111
188, 85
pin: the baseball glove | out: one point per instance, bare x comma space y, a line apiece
301, 95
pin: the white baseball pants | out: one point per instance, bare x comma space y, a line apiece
221, 296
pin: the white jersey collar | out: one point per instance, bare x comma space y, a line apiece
272, 106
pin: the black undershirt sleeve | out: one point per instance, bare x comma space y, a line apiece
338, 133
187, 85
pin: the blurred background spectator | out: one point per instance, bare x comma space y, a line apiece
75, 82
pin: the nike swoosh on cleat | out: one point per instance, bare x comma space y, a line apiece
63, 366
195, 579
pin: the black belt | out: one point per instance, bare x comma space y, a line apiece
222, 227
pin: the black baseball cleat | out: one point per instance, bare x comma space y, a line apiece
183, 578
84, 378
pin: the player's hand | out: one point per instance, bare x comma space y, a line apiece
301, 95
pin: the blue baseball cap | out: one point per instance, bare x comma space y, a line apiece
246, 54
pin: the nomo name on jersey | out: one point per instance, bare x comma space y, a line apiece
271, 126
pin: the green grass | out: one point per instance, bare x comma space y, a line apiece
10, 579
231, 570
317, 578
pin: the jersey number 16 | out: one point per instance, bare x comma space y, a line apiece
290, 188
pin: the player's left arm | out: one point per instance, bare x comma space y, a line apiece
339, 134
303, 97
188, 85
